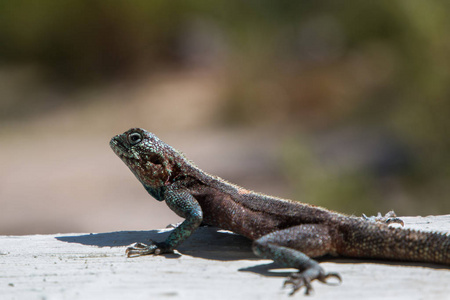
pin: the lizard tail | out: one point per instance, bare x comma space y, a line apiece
380, 241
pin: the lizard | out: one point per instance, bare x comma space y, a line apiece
290, 233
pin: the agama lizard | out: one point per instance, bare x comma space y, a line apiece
290, 233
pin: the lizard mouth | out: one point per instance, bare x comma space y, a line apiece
119, 148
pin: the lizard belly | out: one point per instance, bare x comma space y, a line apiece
221, 210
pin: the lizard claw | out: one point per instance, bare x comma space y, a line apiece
140, 249
300, 279
388, 218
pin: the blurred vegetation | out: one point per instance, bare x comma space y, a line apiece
371, 70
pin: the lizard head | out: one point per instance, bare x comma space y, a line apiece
149, 158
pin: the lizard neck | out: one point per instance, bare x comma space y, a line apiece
157, 193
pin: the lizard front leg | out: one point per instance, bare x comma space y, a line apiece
293, 248
183, 204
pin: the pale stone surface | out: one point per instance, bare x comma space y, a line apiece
214, 265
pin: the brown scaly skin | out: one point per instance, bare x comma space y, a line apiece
286, 231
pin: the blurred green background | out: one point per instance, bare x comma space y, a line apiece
343, 104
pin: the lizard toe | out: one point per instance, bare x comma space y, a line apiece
388, 218
395, 220
140, 249
298, 280
303, 279
324, 278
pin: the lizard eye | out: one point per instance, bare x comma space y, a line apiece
134, 138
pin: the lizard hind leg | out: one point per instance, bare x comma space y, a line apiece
388, 218
293, 248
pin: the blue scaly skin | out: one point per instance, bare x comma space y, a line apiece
290, 233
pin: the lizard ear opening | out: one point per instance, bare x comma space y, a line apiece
134, 138
156, 159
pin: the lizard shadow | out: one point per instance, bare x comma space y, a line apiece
275, 270
205, 242
215, 244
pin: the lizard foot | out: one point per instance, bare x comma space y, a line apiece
303, 279
140, 249
388, 218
